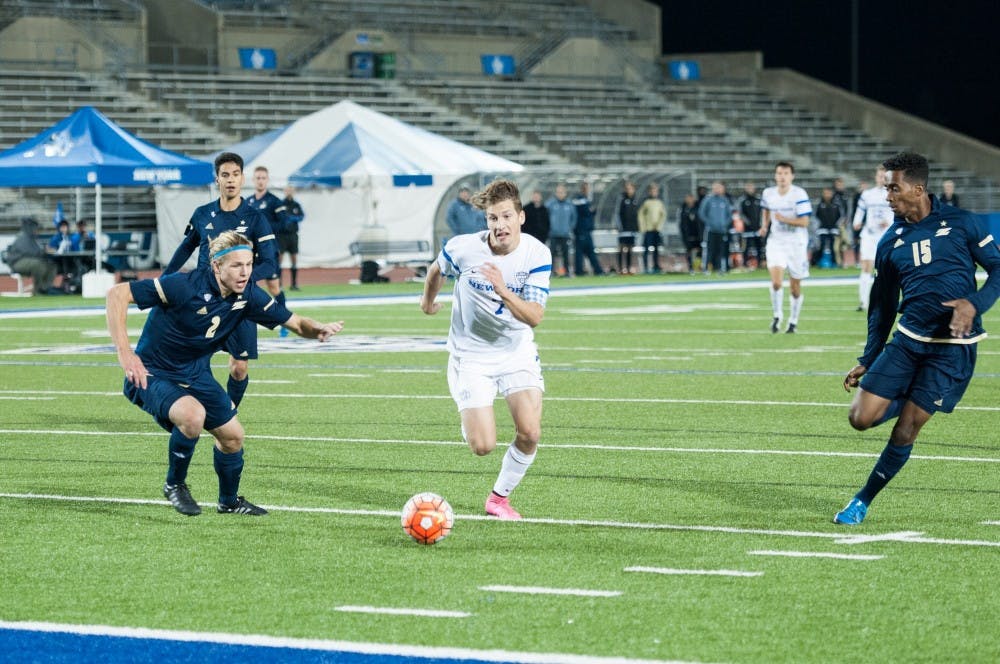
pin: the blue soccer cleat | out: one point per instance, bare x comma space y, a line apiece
853, 514
283, 332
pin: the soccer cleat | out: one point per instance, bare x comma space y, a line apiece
791, 329
852, 514
499, 506
283, 332
860, 308
774, 325
179, 496
242, 506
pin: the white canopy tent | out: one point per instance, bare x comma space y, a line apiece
354, 168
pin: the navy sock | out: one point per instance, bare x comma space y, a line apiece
229, 468
295, 276
892, 411
237, 388
889, 463
179, 456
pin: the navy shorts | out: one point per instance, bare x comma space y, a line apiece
933, 376
242, 343
161, 393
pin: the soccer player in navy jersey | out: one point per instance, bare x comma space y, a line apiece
232, 212
169, 373
929, 254
274, 210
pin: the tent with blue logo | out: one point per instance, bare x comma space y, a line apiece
87, 149
353, 169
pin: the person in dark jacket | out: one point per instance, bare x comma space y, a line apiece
749, 205
584, 232
536, 218
26, 257
692, 230
628, 227
828, 215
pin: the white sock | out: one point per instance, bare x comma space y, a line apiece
793, 317
777, 299
512, 469
864, 289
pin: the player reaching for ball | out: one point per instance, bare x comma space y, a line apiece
169, 375
501, 287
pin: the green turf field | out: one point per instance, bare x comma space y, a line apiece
679, 435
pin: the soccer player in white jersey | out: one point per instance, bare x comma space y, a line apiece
872, 217
785, 212
501, 288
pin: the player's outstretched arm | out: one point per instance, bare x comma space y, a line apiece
116, 311
310, 329
432, 286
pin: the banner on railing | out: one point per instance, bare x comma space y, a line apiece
258, 58
497, 65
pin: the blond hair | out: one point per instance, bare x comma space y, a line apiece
227, 241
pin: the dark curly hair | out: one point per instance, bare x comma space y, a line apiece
913, 166
497, 192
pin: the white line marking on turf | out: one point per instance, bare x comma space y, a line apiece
540, 590
6, 398
339, 375
274, 381
836, 536
991, 523
816, 554
262, 640
428, 613
553, 446
903, 536
695, 572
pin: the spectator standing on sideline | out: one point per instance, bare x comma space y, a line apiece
786, 214
925, 272
501, 288
828, 214
288, 238
628, 227
462, 216
562, 219
717, 211
749, 208
26, 257
169, 374
583, 233
59, 245
872, 218
692, 231
948, 195
231, 212
536, 218
652, 214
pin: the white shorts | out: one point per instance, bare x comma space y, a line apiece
789, 253
476, 385
869, 243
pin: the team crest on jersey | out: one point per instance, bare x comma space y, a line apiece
899, 231
521, 277
207, 296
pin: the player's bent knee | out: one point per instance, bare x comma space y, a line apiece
189, 415
482, 445
238, 369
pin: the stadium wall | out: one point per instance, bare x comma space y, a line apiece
182, 32
883, 121
585, 56
641, 17
743, 66
44, 41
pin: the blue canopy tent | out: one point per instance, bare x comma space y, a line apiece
87, 149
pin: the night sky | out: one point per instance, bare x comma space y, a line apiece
937, 60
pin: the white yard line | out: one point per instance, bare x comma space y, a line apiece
541, 590
392, 611
692, 572
816, 554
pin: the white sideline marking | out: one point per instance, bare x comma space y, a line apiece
263, 640
429, 613
445, 397
816, 554
837, 537
695, 572
903, 536
6, 398
274, 381
339, 375
991, 523
540, 590
551, 446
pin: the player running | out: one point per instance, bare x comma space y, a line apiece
872, 219
501, 288
785, 212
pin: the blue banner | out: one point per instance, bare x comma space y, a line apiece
684, 70
258, 58
497, 65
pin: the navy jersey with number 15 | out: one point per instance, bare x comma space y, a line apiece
930, 262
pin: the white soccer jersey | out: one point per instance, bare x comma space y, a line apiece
793, 203
482, 328
873, 209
